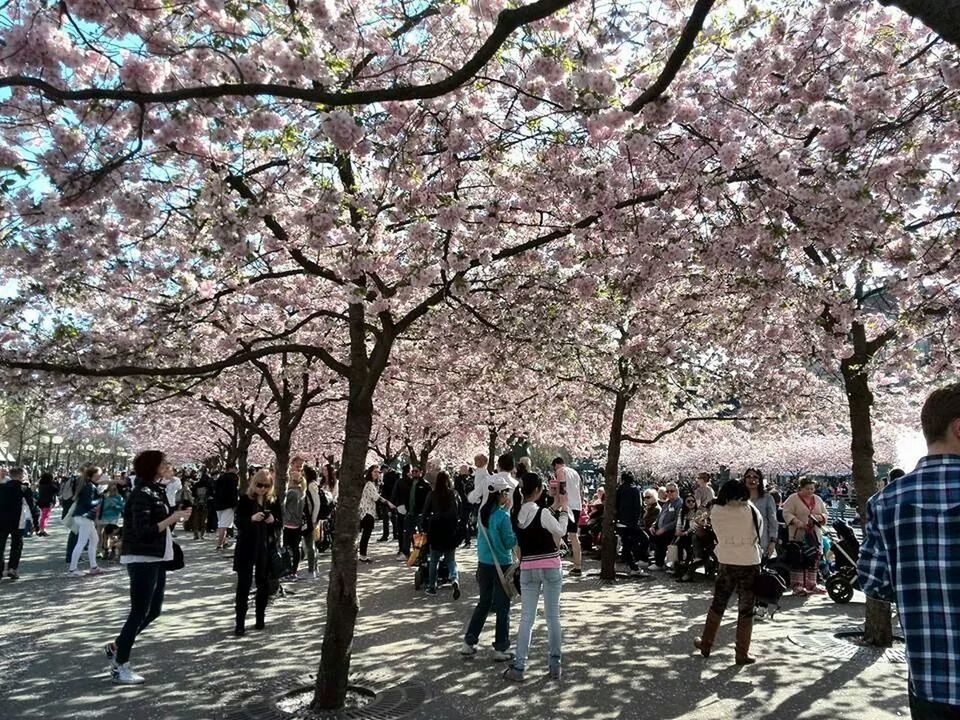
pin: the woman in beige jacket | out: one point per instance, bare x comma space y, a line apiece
738, 527
799, 513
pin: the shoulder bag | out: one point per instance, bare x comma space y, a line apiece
506, 576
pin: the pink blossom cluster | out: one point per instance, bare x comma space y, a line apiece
342, 130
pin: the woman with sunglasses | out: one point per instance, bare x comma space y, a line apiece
257, 521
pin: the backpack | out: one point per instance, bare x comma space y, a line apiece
325, 508
69, 489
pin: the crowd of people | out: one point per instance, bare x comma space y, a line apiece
522, 522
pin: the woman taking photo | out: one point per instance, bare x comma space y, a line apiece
805, 515
88, 504
495, 543
539, 531
368, 508
257, 520
441, 519
738, 527
146, 547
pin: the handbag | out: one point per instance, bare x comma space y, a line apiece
673, 553
177, 562
417, 545
507, 577
68, 520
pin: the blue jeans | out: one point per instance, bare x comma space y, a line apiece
491, 596
532, 582
451, 557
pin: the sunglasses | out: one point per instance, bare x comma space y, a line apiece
263, 485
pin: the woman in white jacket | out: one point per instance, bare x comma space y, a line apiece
738, 527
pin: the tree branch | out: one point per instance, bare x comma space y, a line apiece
507, 22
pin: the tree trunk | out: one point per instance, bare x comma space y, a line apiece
342, 606
281, 452
941, 16
491, 449
608, 549
243, 455
878, 628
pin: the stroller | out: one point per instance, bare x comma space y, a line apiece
841, 584
422, 562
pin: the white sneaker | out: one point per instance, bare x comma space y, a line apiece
468, 649
76, 573
503, 655
123, 675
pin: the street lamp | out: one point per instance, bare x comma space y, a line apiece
57, 441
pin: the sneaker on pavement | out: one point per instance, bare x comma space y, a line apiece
431, 591
123, 675
503, 655
456, 591
817, 590
576, 572
96, 571
466, 649
511, 673
76, 573
13, 574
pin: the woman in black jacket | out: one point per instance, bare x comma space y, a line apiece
441, 518
257, 519
146, 548
47, 492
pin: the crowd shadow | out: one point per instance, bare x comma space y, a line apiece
628, 649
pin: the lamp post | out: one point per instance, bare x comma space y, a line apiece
57, 441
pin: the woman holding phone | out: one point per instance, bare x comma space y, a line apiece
257, 517
146, 547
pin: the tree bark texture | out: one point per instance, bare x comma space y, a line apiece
608, 547
342, 605
878, 628
941, 16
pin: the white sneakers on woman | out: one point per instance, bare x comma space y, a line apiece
123, 675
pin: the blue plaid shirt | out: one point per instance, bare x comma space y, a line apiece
911, 556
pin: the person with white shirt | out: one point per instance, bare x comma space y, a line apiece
569, 480
482, 482
146, 548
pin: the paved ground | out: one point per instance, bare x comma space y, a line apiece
627, 650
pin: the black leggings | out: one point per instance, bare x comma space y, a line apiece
291, 539
245, 575
366, 530
147, 583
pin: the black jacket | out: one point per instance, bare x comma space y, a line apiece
226, 491
146, 506
629, 505
254, 539
420, 496
12, 495
47, 494
442, 526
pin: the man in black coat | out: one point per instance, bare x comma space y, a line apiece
629, 516
13, 493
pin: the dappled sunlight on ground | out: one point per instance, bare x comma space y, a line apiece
628, 648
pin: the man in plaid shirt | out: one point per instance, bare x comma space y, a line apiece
911, 556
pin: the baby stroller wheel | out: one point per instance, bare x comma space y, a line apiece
839, 589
